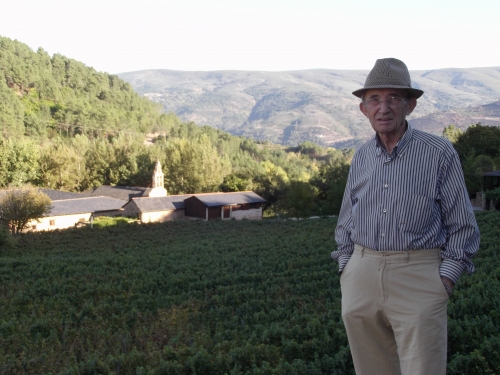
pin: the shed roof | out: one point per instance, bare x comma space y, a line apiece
125, 193
227, 199
57, 195
54, 195
492, 174
85, 205
168, 203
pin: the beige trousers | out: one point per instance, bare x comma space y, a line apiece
394, 310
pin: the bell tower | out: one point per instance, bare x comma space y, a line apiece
157, 183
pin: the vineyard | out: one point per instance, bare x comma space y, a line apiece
233, 297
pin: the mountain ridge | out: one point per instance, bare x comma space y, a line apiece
293, 106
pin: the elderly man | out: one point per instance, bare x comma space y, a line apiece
405, 234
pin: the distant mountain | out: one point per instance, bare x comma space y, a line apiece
317, 105
488, 114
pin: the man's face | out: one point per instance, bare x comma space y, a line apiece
386, 118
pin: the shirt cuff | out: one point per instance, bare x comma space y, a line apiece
343, 259
451, 269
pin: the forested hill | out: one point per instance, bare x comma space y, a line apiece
40, 95
66, 126
315, 105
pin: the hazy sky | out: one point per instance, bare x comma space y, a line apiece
121, 36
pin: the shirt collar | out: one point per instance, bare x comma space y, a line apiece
400, 147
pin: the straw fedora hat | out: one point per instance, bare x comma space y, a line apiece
389, 73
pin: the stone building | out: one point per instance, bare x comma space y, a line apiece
237, 205
147, 204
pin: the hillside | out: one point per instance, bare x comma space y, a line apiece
42, 96
315, 105
65, 126
488, 114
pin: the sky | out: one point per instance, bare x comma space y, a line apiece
259, 35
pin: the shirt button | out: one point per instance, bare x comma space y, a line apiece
384, 210
382, 235
386, 186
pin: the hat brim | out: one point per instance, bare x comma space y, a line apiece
415, 93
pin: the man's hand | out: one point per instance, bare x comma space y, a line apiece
447, 282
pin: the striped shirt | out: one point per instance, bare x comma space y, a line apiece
413, 199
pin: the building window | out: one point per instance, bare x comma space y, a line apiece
81, 220
52, 223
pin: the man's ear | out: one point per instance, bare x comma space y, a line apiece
363, 109
412, 103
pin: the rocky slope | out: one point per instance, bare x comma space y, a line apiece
317, 105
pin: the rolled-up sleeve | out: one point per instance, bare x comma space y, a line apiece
459, 221
345, 245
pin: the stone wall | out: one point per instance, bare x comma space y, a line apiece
161, 216
252, 214
59, 222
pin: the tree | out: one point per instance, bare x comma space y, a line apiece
330, 182
62, 166
233, 182
270, 183
310, 148
98, 160
11, 111
474, 167
194, 166
452, 133
298, 200
124, 166
485, 140
494, 195
18, 162
482, 165
23, 205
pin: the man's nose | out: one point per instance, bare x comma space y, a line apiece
384, 106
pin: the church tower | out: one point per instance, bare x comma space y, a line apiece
157, 184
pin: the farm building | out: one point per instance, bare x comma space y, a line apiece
67, 213
238, 205
124, 193
148, 204
156, 209
154, 205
